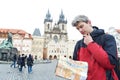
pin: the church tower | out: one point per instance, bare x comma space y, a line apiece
47, 33
47, 28
62, 26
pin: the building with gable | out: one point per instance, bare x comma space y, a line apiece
56, 41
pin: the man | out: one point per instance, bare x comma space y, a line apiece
23, 57
97, 49
30, 63
14, 61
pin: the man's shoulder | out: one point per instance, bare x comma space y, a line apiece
79, 40
108, 36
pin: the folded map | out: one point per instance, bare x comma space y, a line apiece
70, 69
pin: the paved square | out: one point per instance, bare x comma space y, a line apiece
42, 71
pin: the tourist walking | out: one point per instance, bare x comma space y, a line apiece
30, 63
22, 62
19, 61
14, 59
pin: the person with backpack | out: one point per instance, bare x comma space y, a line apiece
30, 63
22, 62
19, 61
14, 59
96, 48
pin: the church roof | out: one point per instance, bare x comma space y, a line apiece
48, 17
36, 32
62, 18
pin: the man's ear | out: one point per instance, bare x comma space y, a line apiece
89, 22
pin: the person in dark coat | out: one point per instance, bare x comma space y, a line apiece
19, 61
22, 62
14, 61
30, 63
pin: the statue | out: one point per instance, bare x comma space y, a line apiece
10, 37
6, 48
7, 43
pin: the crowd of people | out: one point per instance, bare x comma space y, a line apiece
21, 61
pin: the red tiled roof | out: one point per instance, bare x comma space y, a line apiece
12, 31
15, 31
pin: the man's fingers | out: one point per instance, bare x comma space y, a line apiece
86, 35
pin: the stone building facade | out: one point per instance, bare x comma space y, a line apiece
37, 47
56, 41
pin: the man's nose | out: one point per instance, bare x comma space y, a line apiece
80, 29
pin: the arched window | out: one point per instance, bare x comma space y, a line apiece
48, 26
55, 39
62, 27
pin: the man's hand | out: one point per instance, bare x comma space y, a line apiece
87, 39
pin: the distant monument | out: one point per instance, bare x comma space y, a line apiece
6, 49
7, 43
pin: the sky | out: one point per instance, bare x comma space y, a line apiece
30, 14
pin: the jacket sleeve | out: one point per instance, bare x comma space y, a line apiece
105, 57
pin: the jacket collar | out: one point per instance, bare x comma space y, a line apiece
97, 32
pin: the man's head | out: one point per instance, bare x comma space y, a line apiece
22, 54
83, 24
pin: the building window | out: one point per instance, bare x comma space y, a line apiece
62, 27
52, 51
55, 39
48, 26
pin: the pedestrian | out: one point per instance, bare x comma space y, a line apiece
30, 63
19, 61
23, 57
14, 59
96, 48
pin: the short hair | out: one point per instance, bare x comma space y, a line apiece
79, 18
22, 54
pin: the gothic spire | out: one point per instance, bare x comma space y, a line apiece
48, 17
62, 18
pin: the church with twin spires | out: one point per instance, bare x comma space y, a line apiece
56, 41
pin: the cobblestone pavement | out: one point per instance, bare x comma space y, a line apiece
43, 71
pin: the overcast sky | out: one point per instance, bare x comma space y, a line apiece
30, 14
